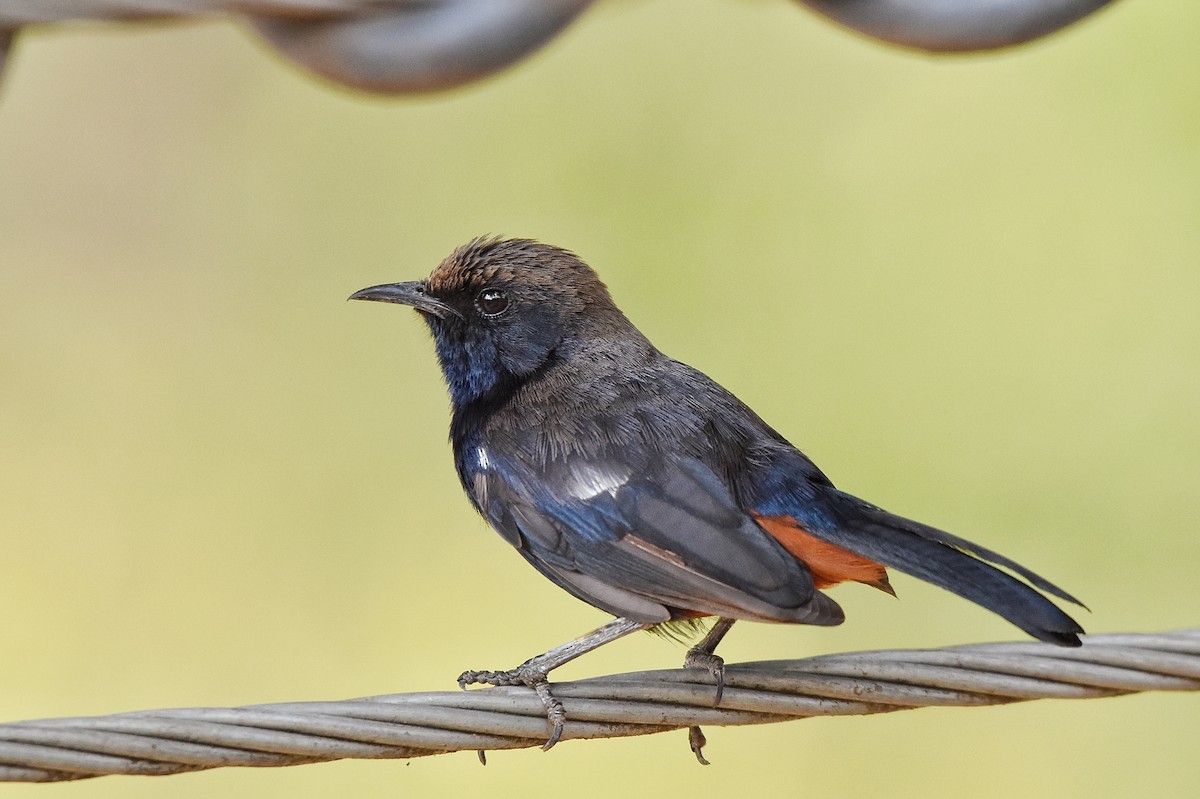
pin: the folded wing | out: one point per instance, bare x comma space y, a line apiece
658, 540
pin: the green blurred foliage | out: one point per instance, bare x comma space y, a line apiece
967, 286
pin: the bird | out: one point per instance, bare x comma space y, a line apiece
644, 488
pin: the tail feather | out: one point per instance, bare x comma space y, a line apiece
954, 564
983, 553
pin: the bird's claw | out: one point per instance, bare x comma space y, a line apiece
556, 714
697, 658
697, 741
535, 678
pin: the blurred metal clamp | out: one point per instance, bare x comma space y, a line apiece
404, 46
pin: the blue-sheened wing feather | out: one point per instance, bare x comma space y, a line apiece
655, 540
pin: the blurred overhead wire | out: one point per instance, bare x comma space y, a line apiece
404, 46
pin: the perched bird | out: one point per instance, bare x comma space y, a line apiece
642, 487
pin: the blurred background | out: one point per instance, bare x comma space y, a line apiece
968, 287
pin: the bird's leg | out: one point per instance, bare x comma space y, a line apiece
534, 671
702, 656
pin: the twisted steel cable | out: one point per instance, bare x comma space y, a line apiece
159, 742
401, 46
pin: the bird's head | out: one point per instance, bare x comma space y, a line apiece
502, 309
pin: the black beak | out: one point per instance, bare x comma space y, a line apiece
407, 294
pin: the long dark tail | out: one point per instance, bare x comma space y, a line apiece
952, 563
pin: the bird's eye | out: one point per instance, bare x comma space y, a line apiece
492, 302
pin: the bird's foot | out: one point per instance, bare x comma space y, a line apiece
534, 671
535, 678
697, 658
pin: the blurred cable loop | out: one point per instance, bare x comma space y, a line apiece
955, 26
161, 742
406, 46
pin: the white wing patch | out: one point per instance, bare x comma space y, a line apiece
589, 480
481, 457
